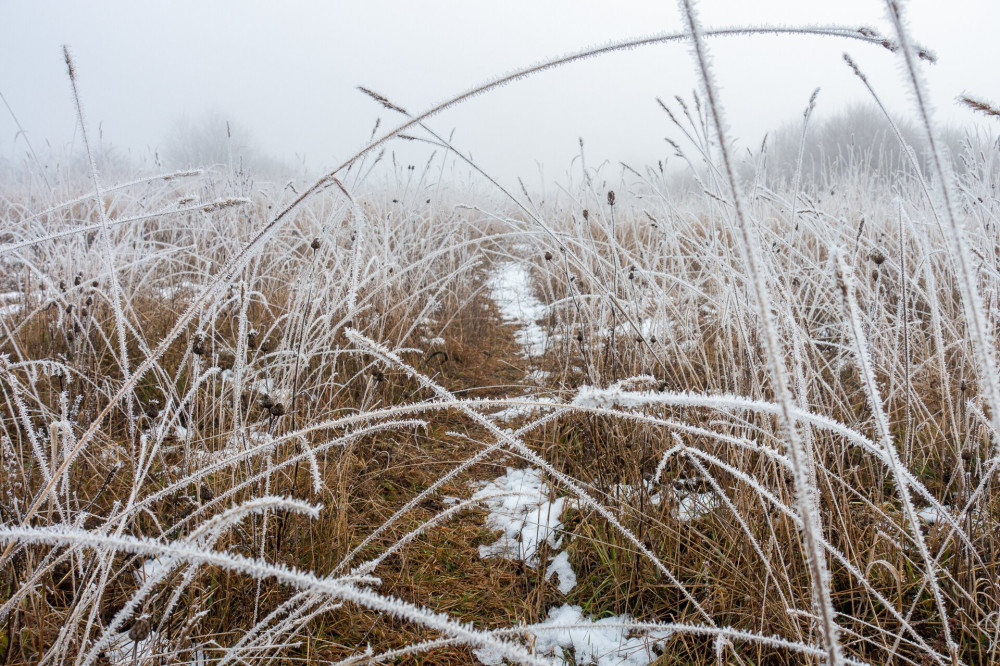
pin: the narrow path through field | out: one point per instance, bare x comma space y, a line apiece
528, 515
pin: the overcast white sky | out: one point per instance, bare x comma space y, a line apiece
287, 71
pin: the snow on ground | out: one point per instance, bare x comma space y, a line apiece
510, 289
604, 642
175, 290
149, 569
7, 308
10, 309
521, 511
692, 506
594, 642
930, 514
559, 567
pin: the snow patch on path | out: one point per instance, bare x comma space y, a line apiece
520, 509
510, 289
604, 642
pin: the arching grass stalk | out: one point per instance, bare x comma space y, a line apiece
805, 477
333, 588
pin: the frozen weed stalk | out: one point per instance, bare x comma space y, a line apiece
728, 409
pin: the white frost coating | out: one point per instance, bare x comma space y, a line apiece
613, 396
526, 519
517, 411
592, 642
510, 288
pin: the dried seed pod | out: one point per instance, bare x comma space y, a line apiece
877, 257
266, 402
78, 280
277, 409
198, 345
586, 214
611, 197
579, 336
206, 493
548, 256
152, 411
378, 375
316, 242
140, 630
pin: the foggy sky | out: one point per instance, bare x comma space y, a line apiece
288, 72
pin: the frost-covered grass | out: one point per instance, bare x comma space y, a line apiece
753, 420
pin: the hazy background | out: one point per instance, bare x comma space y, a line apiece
285, 74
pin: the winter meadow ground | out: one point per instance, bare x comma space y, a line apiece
749, 418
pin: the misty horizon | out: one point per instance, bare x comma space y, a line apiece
296, 104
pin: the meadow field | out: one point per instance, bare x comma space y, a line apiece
735, 409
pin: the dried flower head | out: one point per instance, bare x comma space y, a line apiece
980, 105
140, 630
